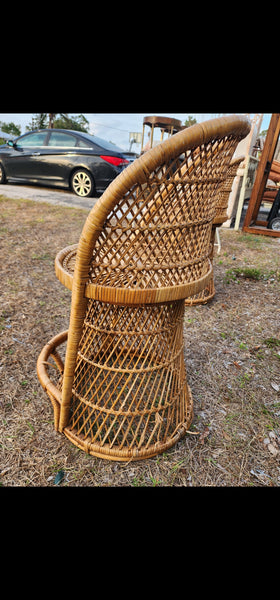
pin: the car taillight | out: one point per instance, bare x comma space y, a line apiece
115, 160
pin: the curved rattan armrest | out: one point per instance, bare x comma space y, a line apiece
42, 363
65, 265
43, 368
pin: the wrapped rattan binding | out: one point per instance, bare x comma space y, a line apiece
145, 247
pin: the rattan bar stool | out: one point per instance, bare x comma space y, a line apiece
121, 391
221, 216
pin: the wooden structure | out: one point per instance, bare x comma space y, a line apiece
166, 124
121, 392
249, 148
251, 222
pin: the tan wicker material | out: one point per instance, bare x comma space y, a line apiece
144, 248
224, 191
220, 217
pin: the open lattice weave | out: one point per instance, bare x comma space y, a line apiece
144, 248
221, 216
130, 391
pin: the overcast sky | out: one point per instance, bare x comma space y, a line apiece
115, 127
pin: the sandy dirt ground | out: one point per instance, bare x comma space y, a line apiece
232, 355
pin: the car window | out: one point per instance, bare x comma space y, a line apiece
83, 144
32, 139
102, 143
58, 138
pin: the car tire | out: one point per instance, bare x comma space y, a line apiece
275, 224
82, 183
2, 175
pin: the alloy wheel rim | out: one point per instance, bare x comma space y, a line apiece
82, 184
276, 225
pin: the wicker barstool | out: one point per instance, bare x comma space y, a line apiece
223, 194
121, 392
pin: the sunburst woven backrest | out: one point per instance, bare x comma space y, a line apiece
158, 234
159, 210
147, 239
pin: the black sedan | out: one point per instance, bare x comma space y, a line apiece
63, 158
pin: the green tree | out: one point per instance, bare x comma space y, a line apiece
58, 121
79, 123
39, 121
10, 128
190, 121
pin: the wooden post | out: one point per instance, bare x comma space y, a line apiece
263, 170
143, 133
152, 135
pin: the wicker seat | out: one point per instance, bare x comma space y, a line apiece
221, 216
121, 392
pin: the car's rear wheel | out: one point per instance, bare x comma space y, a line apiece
2, 175
82, 183
275, 224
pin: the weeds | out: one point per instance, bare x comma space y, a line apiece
237, 272
272, 342
253, 273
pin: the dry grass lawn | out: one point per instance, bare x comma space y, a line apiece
232, 353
